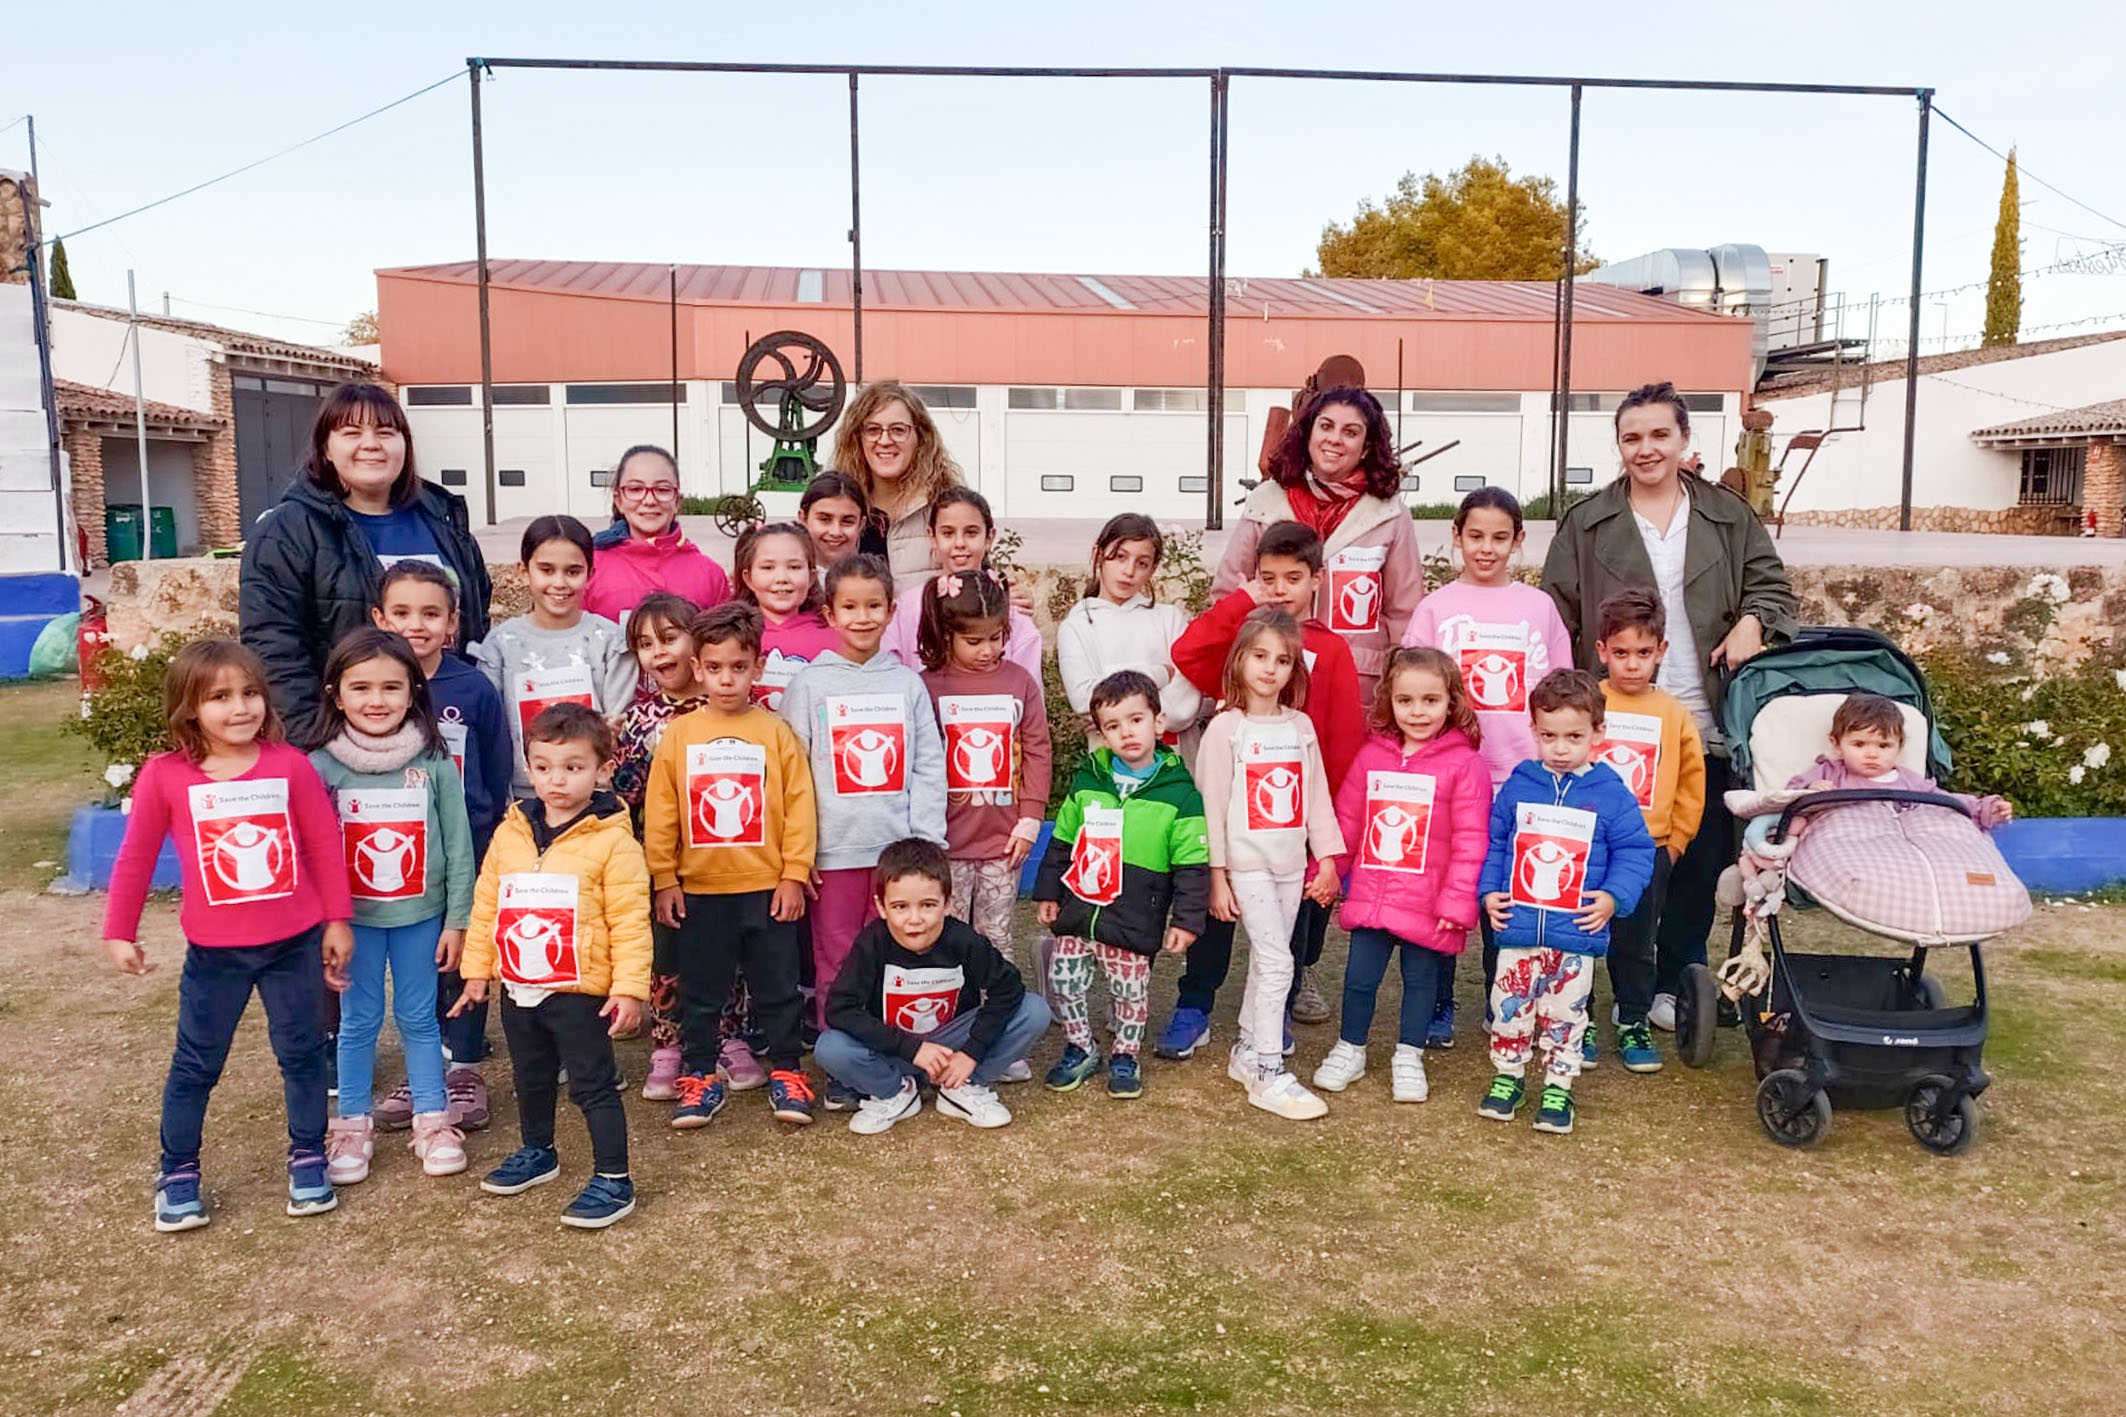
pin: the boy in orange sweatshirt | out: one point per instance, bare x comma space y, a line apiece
1288, 573
1651, 741
731, 832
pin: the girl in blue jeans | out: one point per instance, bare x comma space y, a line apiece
410, 867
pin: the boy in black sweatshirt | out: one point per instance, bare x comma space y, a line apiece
922, 994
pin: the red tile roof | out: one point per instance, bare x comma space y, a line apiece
2089, 421
1816, 381
79, 403
1015, 292
239, 341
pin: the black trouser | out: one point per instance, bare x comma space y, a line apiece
565, 1031
720, 935
1687, 918
1632, 946
1310, 930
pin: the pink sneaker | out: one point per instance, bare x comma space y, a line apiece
440, 1145
349, 1143
467, 1091
395, 1113
662, 1085
742, 1071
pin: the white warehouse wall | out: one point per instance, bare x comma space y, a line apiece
1865, 469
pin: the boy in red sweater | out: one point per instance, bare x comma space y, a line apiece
1288, 572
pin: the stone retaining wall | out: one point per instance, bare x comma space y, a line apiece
2013, 521
1920, 606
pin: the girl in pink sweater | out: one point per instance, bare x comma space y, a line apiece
266, 907
1415, 809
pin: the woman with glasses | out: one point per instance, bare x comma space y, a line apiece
644, 550
889, 443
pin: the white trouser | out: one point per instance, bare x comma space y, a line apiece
1268, 909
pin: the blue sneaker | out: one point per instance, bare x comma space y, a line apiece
700, 1099
1124, 1080
524, 1168
177, 1202
1188, 1030
1635, 1048
1074, 1067
1590, 1051
604, 1200
1440, 1034
790, 1096
1555, 1115
309, 1188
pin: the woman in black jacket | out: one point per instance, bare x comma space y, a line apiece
312, 563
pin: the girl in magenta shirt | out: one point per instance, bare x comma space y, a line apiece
778, 572
266, 907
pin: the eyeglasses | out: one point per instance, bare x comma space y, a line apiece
898, 432
648, 492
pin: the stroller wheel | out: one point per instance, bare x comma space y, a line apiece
1942, 1127
1794, 1111
1697, 1022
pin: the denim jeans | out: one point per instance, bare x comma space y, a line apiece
1367, 965
212, 994
875, 1074
410, 953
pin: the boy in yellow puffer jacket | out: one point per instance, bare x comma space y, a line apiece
561, 915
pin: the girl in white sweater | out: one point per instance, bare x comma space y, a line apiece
1267, 809
1118, 626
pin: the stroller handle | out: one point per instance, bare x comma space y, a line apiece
1837, 796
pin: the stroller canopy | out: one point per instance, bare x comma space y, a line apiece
1826, 660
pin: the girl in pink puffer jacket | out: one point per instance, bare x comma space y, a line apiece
1415, 809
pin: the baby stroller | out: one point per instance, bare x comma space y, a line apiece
1856, 1030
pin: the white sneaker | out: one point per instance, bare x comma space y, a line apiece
349, 1143
439, 1143
1021, 1071
1662, 1012
973, 1104
1408, 1074
878, 1114
1345, 1065
1281, 1094
1240, 1063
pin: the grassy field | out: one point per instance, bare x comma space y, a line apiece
1178, 1253
49, 774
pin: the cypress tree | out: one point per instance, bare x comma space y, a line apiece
62, 278
2004, 287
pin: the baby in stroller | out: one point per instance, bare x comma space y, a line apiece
1868, 734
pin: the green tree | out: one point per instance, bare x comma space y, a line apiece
62, 277
361, 329
2004, 286
1479, 223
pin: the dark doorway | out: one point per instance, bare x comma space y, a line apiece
274, 416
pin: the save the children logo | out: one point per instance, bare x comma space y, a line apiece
979, 731
726, 793
868, 735
921, 1000
1355, 588
244, 840
1095, 874
1495, 662
1271, 778
1631, 747
535, 929
539, 688
384, 834
1551, 847
1398, 820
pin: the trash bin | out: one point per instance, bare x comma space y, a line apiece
121, 531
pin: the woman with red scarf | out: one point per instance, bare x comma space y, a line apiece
1336, 472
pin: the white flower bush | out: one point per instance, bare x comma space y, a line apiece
2050, 588
2096, 756
118, 774
1999, 656
2076, 773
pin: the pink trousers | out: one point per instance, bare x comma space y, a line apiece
844, 906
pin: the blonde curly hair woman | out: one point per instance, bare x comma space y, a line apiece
890, 444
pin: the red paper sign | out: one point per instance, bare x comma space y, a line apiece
385, 835
454, 736
1631, 745
980, 741
1551, 846
535, 930
1273, 778
540, 689
1355, 588
868, 734
921, 1001
245, 839
726, 793
1398, 820
776, 671
1095, 874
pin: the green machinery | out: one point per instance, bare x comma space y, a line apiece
798, 376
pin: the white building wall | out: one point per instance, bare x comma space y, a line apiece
32, 538
174, 369
1865, 469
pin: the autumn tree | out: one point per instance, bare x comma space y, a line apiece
362, 329
1479, 223
2004, 286
62, 277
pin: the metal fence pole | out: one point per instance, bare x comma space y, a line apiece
1919, 247
1563, 393
1214, 483
487, 337
856, 241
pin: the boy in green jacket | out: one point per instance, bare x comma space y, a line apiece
1129, 848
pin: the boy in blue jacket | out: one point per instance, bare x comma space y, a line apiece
1569, 853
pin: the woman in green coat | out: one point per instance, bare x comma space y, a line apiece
1726, 595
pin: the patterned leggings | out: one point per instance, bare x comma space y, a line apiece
1540, 989
1129, 986
983, 895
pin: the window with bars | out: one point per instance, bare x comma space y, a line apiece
2052, 477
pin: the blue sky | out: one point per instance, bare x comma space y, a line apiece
134, 101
